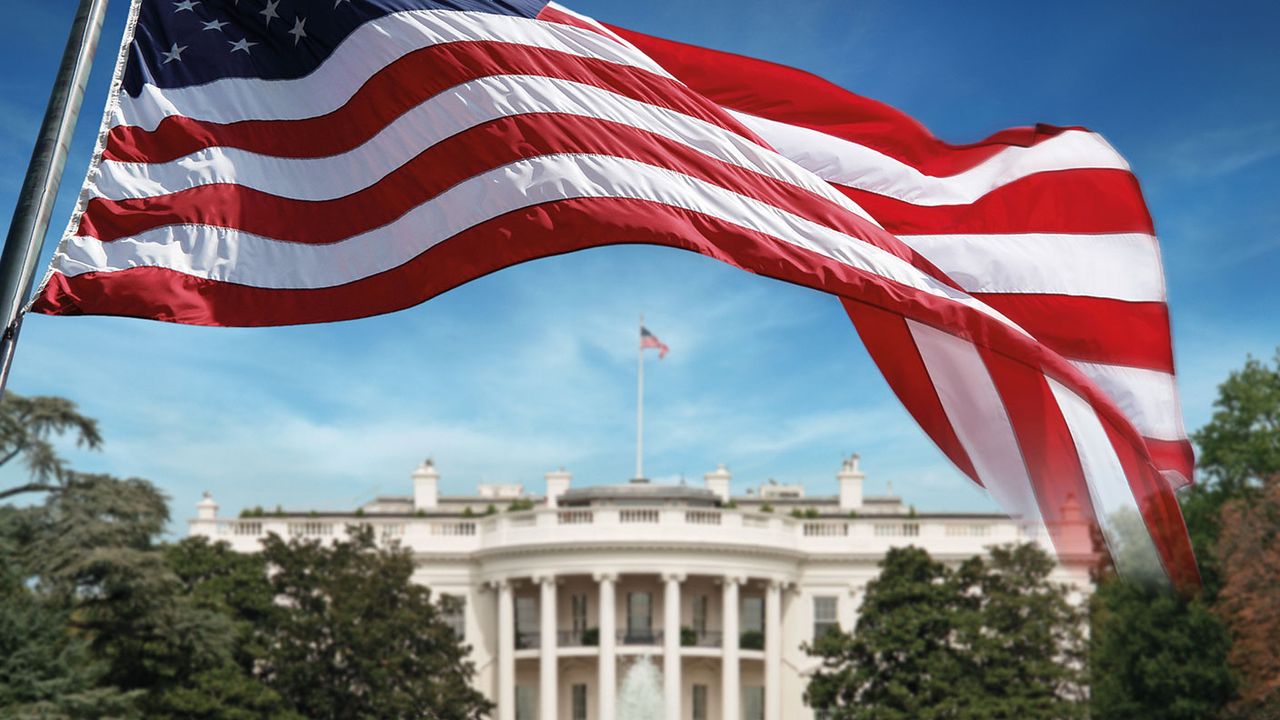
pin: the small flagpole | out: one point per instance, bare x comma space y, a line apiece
640, 401
30, 222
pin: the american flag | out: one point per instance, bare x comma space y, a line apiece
268, 162
649, 340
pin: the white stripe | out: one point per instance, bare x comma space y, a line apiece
847, 163
238, 257
590, 21
369, 49
1124, 266
1149, 398
1127, 536
465, 106
974, 410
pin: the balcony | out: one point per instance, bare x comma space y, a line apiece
586, 526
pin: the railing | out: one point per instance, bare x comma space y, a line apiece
638, 515
619, 524
820, 529
701, 638
528, 640
453, 529
639, 637
575, 517
702, 517
310, 529
590, 637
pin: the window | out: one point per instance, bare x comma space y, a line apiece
527, 635
639, 617
453, 611
579, 702
752, 637
753, 703
700, 700
825, 618
579, 615
700, 614
526, 702
752, 614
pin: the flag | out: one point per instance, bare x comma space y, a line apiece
261, 164
649, 340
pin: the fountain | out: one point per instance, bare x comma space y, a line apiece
641, 695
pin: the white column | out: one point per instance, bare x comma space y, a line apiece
773, 651
671, 688
608, 669
730, 672
547, 680
506, 651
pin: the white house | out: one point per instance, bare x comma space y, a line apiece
561, 600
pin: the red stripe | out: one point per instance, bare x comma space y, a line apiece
450, 162
796, 97
1101, 330
889, 341
1063, 201
399, 87
1175, 455
1160, 511
1048, 452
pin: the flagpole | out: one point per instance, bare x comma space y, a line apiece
25, 241
640, 401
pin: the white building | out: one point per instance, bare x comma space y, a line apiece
562, 593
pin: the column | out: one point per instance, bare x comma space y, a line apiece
773, 651
671, 643
547, 679
506, 651
730, 671
607, 675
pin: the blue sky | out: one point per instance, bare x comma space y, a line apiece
534, 367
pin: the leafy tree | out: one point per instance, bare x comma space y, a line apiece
357, 638
45, 670
28, 427
994, 639
1156, 655
1021, 638
900, 661
91, 549
1249, 600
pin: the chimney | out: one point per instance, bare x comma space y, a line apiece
557, 483
207, 509
718, 482
850, 479
426, 486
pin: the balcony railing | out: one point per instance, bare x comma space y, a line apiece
701, 638
590, 637
633, 636
528, 640
621, 524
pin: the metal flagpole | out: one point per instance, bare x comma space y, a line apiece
640, 401
30, 222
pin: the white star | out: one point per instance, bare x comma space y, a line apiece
298, 32
215, 25
174, 53
241, 45
270, 11
186, 5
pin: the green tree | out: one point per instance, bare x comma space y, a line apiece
357, 638
1021, 638
28, 426
46, 671
899, 662
91, 549
1154, 654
